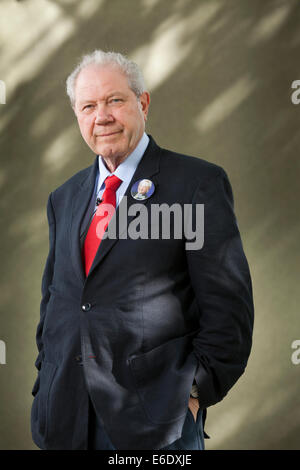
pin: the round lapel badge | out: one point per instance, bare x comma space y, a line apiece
142, 189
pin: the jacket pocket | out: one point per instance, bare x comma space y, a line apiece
163, 379
47, 374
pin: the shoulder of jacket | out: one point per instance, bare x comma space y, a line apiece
73, 181
190, 166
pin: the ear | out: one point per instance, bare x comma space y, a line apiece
145, 103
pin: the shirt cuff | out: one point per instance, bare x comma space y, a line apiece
194, 391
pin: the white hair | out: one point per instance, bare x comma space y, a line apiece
145, 183
98, 57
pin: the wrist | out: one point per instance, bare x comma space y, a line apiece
194, 391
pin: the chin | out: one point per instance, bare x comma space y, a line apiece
110, 151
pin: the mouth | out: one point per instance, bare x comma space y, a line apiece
108, 134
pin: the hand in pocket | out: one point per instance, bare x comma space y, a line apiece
194, 407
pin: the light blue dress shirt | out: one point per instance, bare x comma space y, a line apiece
124, 171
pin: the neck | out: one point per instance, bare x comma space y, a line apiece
113, 163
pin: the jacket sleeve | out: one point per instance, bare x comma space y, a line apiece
46, 281
221, 281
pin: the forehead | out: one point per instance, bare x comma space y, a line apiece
97, 81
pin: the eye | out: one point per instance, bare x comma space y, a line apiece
87, 106
115, 100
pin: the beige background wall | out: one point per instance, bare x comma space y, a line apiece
220, 74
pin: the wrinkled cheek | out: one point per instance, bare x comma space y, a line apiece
86, 129
89, 138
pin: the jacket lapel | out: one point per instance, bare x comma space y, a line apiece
79, 208
148, 166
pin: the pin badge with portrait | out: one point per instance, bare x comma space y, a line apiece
142, 189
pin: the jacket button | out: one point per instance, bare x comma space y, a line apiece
79, 359
86, 307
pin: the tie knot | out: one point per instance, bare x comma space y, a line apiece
112, 182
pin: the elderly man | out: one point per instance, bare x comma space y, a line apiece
137, 335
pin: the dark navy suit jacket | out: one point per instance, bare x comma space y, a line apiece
150, 317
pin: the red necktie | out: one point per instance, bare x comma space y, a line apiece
98, 226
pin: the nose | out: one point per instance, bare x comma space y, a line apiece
103, 115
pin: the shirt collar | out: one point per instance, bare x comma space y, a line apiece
127, 168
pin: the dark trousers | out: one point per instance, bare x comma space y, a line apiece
192, 434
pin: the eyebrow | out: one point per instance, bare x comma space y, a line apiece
109, 95
116, 93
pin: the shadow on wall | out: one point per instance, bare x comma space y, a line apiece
219, 73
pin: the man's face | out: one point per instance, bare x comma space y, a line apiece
143, 188
110, 116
